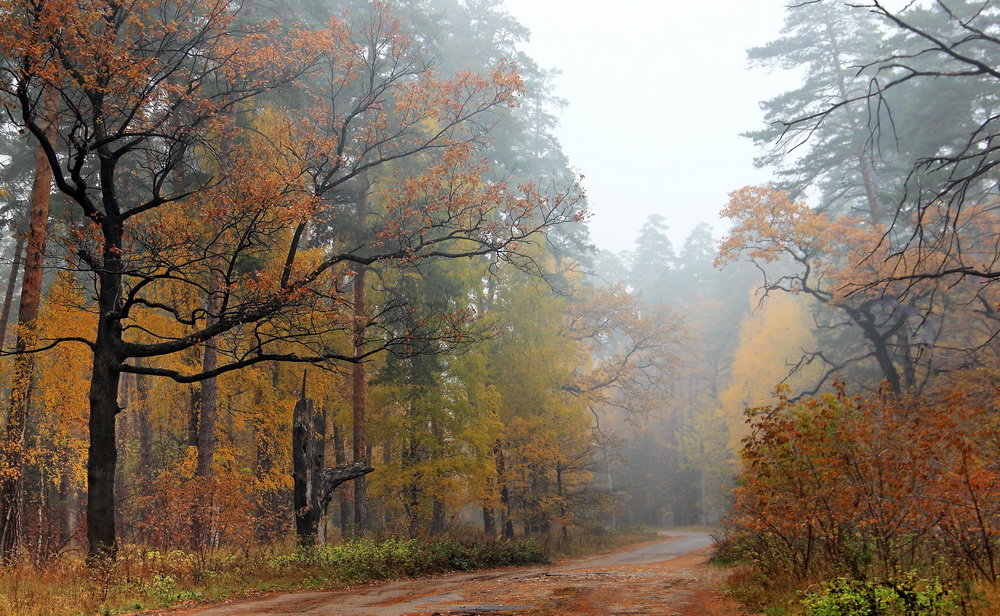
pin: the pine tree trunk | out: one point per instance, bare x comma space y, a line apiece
344, 499
144, 431
359, 384
207, 418
8, 298
12, 486
507, 523
386, 520
193, 415
864, 160
359, 387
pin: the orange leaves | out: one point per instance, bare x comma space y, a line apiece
768, 226
846, 255
851, 482
452, 207
374, 98
142, 65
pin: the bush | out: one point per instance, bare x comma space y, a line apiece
364, 559
870, 487
907, 596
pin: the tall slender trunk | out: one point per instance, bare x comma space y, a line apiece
207, 418
345, 500
561, 493
144, 431
194, 412
359, 395
864, 160
506, 523
12, 484
71, 507
274, 499
123, 435
8, 298
386, 521
359, 384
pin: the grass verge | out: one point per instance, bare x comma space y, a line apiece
141, 579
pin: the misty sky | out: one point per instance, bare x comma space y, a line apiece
658, 92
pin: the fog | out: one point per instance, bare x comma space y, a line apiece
326, 279
657, 96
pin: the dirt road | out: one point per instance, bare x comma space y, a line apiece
658, 578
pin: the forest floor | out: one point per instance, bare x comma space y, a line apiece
664, 577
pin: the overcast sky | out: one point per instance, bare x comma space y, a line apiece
658, 92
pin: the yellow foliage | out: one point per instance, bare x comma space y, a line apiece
772, 341
61, 402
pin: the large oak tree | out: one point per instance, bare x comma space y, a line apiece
176, 186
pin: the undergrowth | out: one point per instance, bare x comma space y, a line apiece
142, 579
910, 594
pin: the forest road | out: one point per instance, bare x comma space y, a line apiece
664, 577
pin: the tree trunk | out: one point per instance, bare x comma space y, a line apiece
489, 522
123, 435
359, 384
412, 491
561, 494
506, 523
71, 507
863, 159
207, 417
271, 526
144, 431
359, 387
331, 478
192, 417
438, 520
102, 456
12, 484
307, 463
880, 348
344, 499
8, 298
314, 486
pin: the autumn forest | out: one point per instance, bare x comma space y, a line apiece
288, 278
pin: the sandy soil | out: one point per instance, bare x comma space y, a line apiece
667, 577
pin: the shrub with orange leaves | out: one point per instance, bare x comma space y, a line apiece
871, 486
